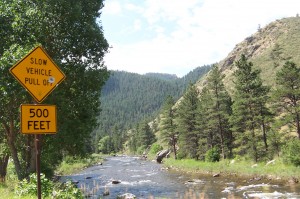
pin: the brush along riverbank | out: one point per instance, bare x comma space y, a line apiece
274, 170
71, 164
13, 188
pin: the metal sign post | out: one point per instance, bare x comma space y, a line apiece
37, 138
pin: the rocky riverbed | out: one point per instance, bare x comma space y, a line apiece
123, 175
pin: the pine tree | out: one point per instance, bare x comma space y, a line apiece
145, 135
186, 118
249, 108
168, 127
219, 111
287, 94
206, 138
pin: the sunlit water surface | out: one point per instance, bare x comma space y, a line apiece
147, 179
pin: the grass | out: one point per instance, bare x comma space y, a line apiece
72, 165
239, 168
68, 166
7, 190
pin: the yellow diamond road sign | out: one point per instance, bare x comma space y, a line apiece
38, 73
36, 119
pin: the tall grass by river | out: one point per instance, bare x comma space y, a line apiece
275, 170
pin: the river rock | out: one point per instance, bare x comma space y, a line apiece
293, 180
75, 182
115, 181
161, 154
126, 196
216, 175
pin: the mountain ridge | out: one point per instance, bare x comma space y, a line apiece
128, 98
267, 49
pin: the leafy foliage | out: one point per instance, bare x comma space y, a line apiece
212, 155
74, 39
49, 189
155, 148
287, 95
29, 187
291, 152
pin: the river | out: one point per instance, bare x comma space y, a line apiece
145, 179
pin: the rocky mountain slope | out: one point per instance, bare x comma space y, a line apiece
268, 49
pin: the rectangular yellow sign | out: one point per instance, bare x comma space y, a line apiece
38, 119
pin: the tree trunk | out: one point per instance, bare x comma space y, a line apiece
264, 135
174, 146
264, 128
31, 157
298, 124
13, 150
3, 167
221, 137
254, 144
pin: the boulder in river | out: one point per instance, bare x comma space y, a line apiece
115, 181
161, 154
126, 196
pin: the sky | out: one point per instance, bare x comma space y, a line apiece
176, 36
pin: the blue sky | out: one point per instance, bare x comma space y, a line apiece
176, 36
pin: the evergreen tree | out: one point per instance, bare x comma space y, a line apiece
287, 94
206, 138
145, 135
186, 119
105, 145
249, 100
168, 128
219, 111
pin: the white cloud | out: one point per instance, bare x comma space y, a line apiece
134, 8
137, 25
187, 34
112, 7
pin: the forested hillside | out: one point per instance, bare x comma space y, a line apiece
128, 98
248, 104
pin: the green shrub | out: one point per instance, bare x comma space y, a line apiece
291, 152
49, 189
155, 148
141, 150
67, 191
212, 155
26, 187
180, 155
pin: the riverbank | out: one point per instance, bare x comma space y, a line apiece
275, 170
69, 165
